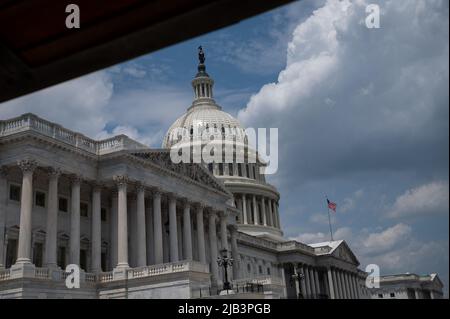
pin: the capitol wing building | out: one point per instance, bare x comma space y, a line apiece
139, 225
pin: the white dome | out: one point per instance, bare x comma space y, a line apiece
207, 116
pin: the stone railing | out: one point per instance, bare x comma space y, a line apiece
41, 273
162, 269
261, 280
31, 122
5, 274
294, 245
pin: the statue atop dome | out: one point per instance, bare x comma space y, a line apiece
201, 55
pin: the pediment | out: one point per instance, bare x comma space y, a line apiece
344, 252
193, 171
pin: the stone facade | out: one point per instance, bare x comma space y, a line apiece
140, 226
409, 286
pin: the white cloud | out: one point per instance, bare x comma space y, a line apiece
385, 240
343, 233
78, 104
426, 200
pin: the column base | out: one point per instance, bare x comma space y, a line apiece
121, 272
23, 270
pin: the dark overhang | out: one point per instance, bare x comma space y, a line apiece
37, 50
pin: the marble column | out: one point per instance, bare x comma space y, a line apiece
223, 231
157, 228
355, 283
201, 235
173, 233
75, 221
114, 227
312, 282
352, 286
302, 279
277, 215
122, 227
244, 209
255, 211
342, 284
26, 205
3, 200
213, 248
317, 282
331, 284
336, 286
263, 210
149, 232
180, 236
187, 231
141, 255
51, 233
307, 280
235, 252
269, 202
96, 230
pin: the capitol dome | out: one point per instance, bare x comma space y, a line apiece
205, 123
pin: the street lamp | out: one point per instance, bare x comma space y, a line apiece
224, 261
297, 277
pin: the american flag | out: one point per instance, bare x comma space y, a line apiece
332, 205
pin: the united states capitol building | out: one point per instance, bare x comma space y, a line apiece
141, 226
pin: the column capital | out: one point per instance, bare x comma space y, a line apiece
171, 196
121, 180
54, 172
97, 186
27, 165
76, 179
199, 205
156, 191
140, 187
186, 202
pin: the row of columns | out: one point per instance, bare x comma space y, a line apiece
308, 284
248, 204
343, 284
145, 227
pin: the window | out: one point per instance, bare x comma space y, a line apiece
239, 169
380, 296
63, 204
260, 269
268, 271
103, 261
62, 257
103, 214
39, 199
248, 171
392, 295
254, 172
83, 259
249, 268
220, 169
14, 192
230, 169
84, 209
210, 167
37, 254
11, 252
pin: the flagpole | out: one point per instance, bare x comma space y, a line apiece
329, 221
329, 218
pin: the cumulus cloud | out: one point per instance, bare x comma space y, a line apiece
353, 100
426, 200
385, 240
343, 233
78, 104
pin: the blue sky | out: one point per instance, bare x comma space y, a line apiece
362, 117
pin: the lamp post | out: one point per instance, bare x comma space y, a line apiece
224, 261
297, 277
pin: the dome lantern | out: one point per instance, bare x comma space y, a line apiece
202, 83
